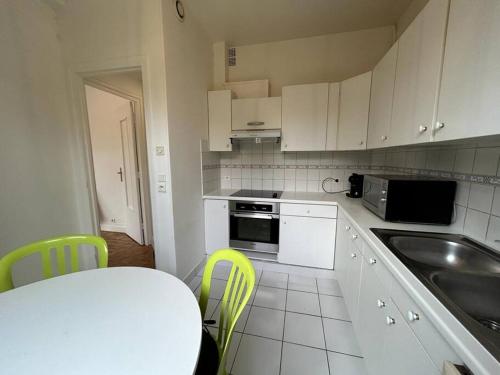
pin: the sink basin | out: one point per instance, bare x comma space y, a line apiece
463, 274
445, 253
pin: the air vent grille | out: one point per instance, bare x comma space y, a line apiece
231, 56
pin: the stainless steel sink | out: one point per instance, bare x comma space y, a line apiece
463, 274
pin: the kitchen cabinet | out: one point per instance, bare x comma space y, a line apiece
219, 120
353, 275
333, 116
306, 240
382, 91
470, 87
216, 225
418, 75
353, 112
304, 117
256, 113
342, 249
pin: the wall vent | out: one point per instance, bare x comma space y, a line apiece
231, 56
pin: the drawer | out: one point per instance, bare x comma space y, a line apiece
428, 335
312, 210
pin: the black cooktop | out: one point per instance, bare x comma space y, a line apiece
257, 194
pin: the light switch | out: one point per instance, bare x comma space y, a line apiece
162, 178
162, 187
160, 150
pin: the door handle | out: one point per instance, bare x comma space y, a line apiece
120, 172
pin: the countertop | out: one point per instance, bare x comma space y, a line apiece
476, 357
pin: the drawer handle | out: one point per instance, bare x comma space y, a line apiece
413, 316
354, 236
390, 321
255, 123
380, 303
353, 255
308, 211
373, 260
347, 227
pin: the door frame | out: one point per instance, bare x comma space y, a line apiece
86, 199
140, 151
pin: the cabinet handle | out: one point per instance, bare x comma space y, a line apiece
383, 192
361, 143
383, 138
284, 222
286, 146
347, 227
255, 123
383, 199
373, 260
353, 255
422, 128
354, 236
227, 145
413, 316
389, 320
439, 125
380, 303
308, 211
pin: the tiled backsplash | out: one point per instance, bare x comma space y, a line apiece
210, 168
477, 170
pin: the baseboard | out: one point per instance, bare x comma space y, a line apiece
194, 272
113, 228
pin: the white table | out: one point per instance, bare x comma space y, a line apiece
107, 321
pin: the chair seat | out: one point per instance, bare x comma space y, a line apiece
208, 361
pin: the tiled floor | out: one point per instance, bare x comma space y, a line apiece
124, 251
293, 325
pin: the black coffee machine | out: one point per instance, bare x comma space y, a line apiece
356, 181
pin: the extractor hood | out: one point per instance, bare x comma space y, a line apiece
257, 136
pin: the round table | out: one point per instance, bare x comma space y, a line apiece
125, 320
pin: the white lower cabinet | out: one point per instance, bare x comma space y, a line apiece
216, 225
307, 241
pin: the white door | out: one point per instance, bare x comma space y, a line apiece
216, 225
130, 173
353, 113
304, 117
307, 241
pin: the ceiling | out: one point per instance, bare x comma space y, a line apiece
240, 22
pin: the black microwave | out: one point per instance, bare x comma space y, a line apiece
410, 199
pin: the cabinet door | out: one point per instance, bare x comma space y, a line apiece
418, 75
216, 225
219, 120
304, 111
371, 327
307, 241
403, 353
381, 97
333, 116
353, 278
342, 250
353, 115
256, 113
470, 88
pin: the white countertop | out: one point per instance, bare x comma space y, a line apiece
124, 320
477, 358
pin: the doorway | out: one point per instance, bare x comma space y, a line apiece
119, 161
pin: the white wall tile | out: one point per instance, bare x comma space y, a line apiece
246, 183
267, 184
267, 174
495, 210
268, 159
476, 224
300, 185
279, 185
458, 224
464, 160
462, 194
446, 160
493, 235
236, 183
313, 174
256, 173
235, 172
301, 174
481, 197
256, 184
290, 174
289, 185
486, 161
279, 174
313, 186
246, 173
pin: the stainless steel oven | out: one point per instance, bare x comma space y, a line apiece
254, 226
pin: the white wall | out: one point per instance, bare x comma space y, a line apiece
36, 183
409, 15
105, 111
111, 34
332, 57
189, 72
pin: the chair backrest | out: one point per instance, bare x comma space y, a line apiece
238, 290
45, 247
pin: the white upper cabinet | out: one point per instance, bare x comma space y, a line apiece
382, 90
418, 74
256, 113
304, 111
333, 116
219, 120
469, 101
353, 115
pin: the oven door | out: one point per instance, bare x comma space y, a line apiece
254, 231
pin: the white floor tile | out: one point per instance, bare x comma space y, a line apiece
274, 279
333, 307
340, 337
270, 297
235, 341
301, 360
211, 307
221, 272
257, 356
304, 329
217, 288
329, 286
266, 323
302, 283
194, 283
302, 302
341, 364
240, 324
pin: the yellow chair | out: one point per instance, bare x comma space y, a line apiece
238, 290
44, 248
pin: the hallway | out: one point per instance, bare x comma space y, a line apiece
124, 251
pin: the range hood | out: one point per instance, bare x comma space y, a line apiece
257, 136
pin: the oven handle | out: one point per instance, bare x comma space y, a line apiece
256, 216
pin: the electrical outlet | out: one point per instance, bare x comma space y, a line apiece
227, 178
162, 178
160, 150
162, 187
